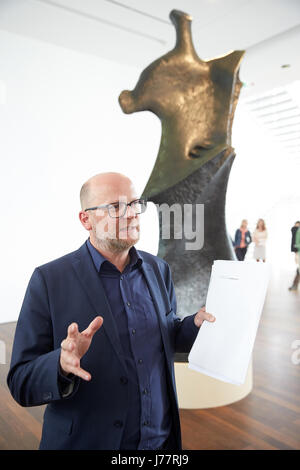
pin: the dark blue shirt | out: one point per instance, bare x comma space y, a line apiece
148, 422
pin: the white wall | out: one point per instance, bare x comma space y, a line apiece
60, 123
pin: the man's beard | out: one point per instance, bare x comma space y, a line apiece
116, 245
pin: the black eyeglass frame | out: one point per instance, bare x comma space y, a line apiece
143, 202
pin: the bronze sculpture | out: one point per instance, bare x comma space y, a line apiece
195, 101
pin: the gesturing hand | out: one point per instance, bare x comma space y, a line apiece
75, 346
202, 315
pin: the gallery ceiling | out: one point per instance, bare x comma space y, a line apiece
136, 32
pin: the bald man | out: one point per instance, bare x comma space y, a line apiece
97, 333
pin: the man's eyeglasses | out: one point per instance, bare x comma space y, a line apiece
118, 209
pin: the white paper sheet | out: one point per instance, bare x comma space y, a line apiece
236, 296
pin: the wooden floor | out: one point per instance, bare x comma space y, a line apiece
268, 418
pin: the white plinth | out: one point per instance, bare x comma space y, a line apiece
196, 390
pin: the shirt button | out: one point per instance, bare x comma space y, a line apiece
121, 278
140, 361
146, 423
118, 424
145, 391
128, 303
133, 331
124, 380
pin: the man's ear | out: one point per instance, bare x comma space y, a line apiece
84, 219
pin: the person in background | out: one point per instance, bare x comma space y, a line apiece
295, 247
297, 244
259, 237
242, 240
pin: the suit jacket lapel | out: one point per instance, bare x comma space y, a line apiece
91, 283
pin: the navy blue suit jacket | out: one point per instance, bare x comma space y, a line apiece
68, 290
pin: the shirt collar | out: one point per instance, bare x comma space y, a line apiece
135, 258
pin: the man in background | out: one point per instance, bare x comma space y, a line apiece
295, 248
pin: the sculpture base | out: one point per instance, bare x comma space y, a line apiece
196, 390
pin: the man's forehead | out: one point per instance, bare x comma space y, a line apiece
109, 194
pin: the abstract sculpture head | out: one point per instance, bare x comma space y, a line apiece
195, 101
